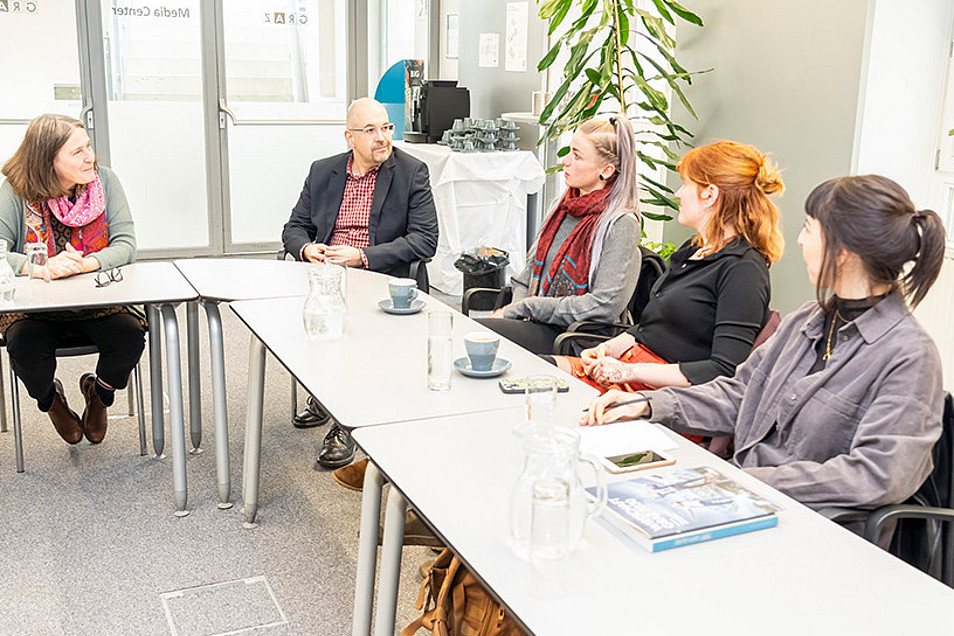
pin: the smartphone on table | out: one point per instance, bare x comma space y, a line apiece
639, 460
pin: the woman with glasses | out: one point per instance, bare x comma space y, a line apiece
842, 406
57, 197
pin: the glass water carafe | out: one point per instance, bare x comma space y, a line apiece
325, 311
554, 454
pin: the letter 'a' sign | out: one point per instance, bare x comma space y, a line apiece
18, 6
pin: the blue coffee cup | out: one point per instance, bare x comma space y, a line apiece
403, 291
482, 348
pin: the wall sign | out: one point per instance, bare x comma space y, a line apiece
18, 6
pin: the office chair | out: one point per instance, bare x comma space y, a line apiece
78, 349
924, 533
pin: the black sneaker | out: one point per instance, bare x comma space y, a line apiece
314, 414
337, 450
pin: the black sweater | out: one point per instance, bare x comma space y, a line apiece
705, 314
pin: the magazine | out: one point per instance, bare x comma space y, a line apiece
682, 506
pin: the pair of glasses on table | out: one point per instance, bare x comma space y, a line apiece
107, 277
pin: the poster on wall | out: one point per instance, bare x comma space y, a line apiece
488, 54
515, 57
452, 36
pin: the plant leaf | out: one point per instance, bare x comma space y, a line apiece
550, 8
661, 7
683, 12
558, 17
551, 55
658, 217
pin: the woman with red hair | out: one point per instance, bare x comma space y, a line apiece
704, 313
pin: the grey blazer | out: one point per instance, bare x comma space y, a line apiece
857, 433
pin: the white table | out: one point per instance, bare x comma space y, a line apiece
481, 199
218, 280
160, 287
806, 576
374, 374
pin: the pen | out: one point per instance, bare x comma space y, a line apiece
642, 398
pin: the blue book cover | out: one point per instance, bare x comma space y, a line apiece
684, 506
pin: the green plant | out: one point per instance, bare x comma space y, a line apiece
604, 63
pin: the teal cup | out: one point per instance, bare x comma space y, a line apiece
482, 348
402, 291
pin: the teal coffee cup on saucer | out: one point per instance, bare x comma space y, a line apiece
482, 348
402, 292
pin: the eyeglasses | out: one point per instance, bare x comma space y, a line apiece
109, 276
370, 131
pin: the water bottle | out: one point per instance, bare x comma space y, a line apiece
7, 276
325, 311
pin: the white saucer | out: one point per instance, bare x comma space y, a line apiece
388, 306
500, 367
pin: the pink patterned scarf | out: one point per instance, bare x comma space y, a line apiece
89, 205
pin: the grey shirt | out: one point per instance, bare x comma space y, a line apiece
122, 234
857, 433
610, 292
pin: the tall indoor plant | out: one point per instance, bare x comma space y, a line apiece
605, 63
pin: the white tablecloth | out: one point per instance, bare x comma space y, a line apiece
481, 199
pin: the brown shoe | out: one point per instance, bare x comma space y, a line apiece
352, 475
416, 532
65, 420
94, 415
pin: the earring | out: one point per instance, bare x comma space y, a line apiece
602, 178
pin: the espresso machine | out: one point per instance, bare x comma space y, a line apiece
432, 108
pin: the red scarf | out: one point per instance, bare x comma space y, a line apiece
569, 273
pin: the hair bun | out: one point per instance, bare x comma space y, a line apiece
769, 179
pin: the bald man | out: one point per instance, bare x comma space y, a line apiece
371, 205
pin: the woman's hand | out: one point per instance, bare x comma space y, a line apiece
600, 411
609, 371
66, 263
590, 358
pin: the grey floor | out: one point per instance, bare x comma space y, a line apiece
91, 546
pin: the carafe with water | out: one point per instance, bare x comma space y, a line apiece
6, 277
554, 454
325, 311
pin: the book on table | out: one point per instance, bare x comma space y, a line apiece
682, 506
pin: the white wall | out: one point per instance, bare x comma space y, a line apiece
902, 82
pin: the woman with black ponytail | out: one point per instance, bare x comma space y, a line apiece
842, 406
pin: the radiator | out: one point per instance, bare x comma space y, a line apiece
936, 314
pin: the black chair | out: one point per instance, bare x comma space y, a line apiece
586, 333
924, 524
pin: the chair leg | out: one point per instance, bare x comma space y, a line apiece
130, 399
140, 408
15, 409
294, 398
3, 401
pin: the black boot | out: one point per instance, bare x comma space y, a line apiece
337, 449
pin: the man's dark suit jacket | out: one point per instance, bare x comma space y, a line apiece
403, 223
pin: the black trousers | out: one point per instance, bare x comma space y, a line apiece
32, 343
536, 337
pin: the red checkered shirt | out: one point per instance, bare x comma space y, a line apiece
351, 227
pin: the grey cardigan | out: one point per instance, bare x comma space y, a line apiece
612, 288
122, 233
857, 433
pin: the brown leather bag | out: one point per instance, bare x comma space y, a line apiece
456, 604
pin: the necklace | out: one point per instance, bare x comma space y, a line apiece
831, 332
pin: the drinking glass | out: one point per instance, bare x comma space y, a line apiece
341, 262
549, 537
541, 396
37, 261
439, 350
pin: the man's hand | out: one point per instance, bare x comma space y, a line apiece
352, 254
315, 252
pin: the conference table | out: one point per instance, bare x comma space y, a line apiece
218, 280
808, 575
158, 286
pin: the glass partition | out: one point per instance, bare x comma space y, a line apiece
153, 75
285, 82
36, 79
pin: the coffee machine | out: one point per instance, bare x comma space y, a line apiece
432, 108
